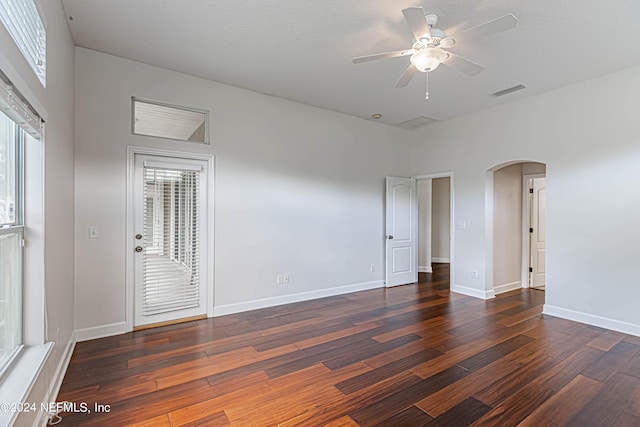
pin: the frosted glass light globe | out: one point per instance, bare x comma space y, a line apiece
428, 59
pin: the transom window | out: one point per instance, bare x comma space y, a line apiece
25, 25
151, 118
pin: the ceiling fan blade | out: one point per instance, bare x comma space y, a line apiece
463, 65
407, 76
384, 55
507, 22
417, 22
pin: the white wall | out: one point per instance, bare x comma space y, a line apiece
298, 190
56, 104
424, 225
589, 137
440, 227
507, 227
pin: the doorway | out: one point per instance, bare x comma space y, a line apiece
406, 229
435, 219
169, 238
516, 226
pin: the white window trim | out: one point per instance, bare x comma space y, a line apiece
27, 365
21, 378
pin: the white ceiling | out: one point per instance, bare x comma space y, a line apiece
302, 50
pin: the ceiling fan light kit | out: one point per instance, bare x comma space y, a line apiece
427, 52
428, 59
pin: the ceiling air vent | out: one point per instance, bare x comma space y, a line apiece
416, 123
508, 90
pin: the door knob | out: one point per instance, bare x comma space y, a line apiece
390, 237
138, 248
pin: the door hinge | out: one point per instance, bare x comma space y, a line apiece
24, 242
531, 190
530, 269
530, 229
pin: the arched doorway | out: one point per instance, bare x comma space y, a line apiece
515, 214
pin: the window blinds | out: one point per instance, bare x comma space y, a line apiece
18, 110
24, 24
171, 261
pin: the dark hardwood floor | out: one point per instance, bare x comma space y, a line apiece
415, 355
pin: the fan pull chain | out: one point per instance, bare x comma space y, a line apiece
426, 86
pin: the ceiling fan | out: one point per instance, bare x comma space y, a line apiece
428, 50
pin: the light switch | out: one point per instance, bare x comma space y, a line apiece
94, 232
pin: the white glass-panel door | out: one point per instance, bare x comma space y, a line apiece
170, 232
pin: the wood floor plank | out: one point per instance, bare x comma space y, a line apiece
611, 362
341, 360
461, 415
451, 358
401, 400
443, 400
494, 353
505, 387
627, 420
373, 395
632, 367
606, 340
410, 417
564, 372
159, 421
345, 421
389, 370
196, 412
561, 407
634, 405
606, 407
516, 407
378, 357
398, 353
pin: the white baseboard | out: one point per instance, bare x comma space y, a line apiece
101, 331
500, 289
476, 293
592, 319
425, 269
239, 307
444, 260
61, 369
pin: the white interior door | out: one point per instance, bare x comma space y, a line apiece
170, 229
538, 236
401, 231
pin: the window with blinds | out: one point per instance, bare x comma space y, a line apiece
24, 24
11, 235
171, 269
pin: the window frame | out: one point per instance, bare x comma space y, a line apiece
17, 227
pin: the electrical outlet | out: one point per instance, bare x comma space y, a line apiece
474, 274
285, 278
279, 279
372, 267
